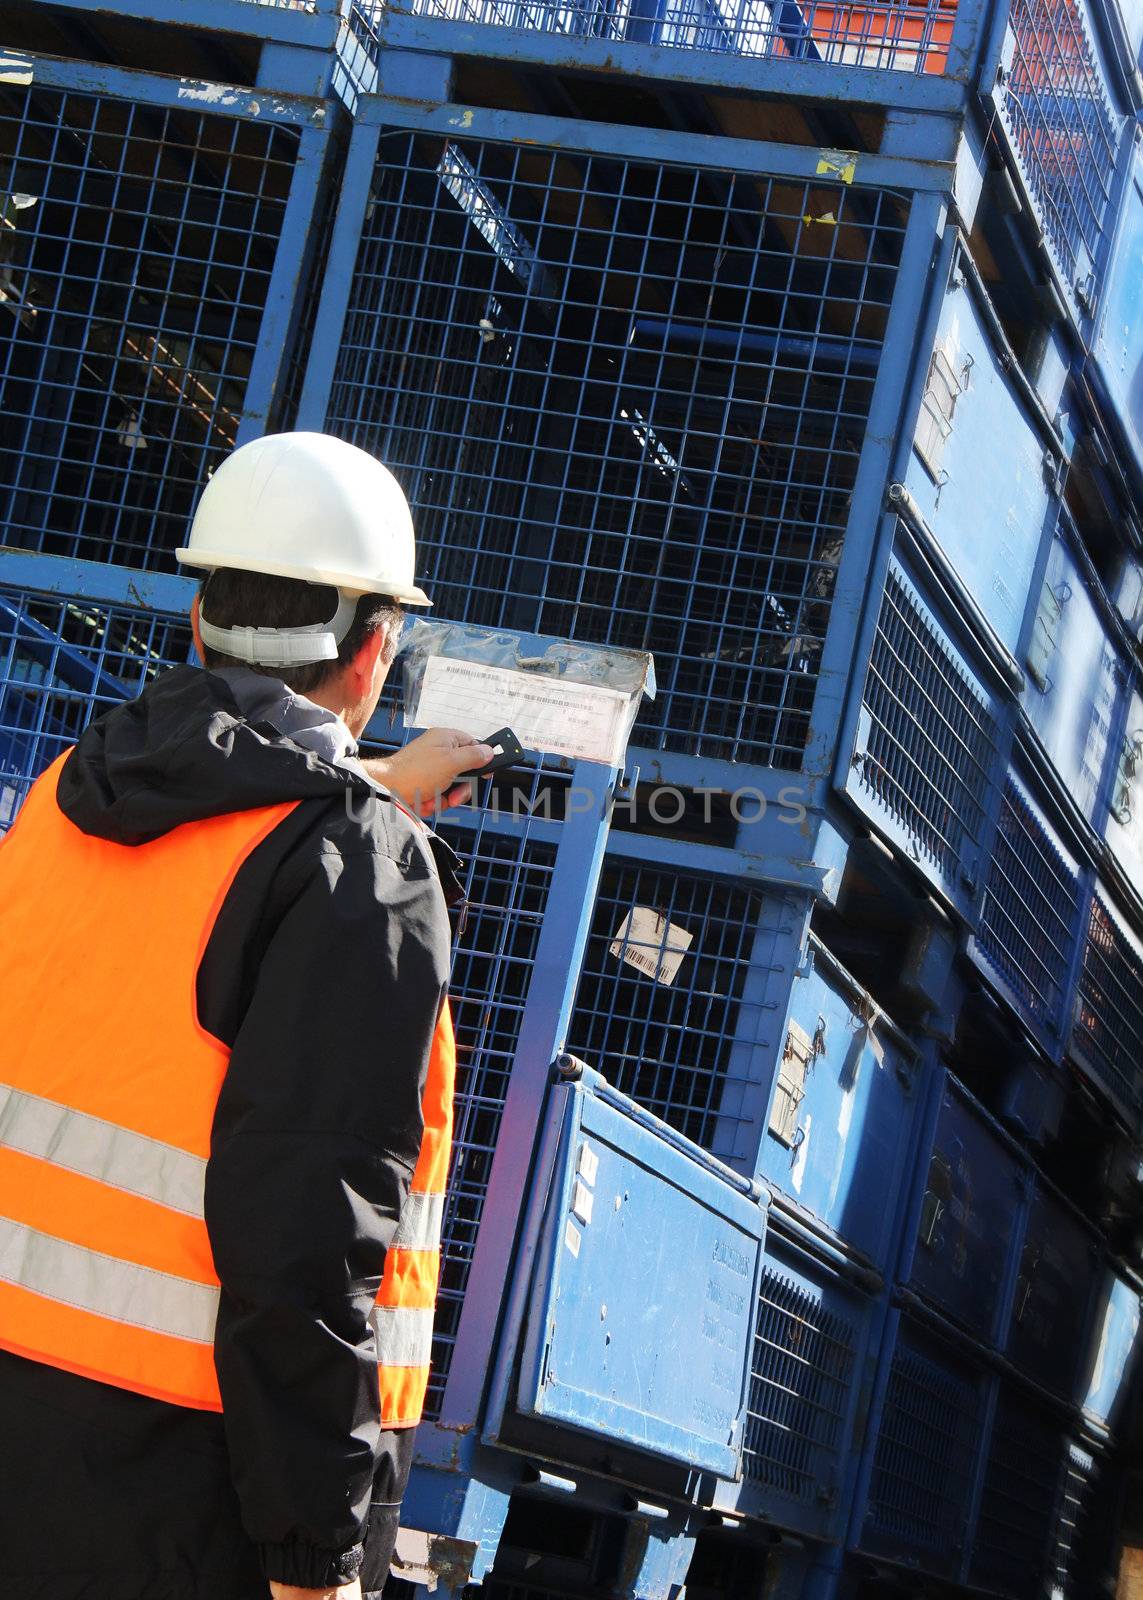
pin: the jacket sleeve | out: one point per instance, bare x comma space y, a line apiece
315, 1138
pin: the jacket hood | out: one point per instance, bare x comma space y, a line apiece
181, 752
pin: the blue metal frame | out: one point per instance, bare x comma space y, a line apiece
865, 552
798, 75
309, 22
542, 1030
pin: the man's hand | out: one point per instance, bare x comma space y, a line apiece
423, 775
287, 1591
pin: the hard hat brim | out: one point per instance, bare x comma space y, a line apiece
347, 582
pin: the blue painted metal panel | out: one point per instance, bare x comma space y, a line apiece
154, 233
1117, 347
657, 453
1113, 1352
971, 1210
990, 524
841, 1121
1053, 1295
1107, 1028
643, 1298
1029, 925
1073, 685
927, 1455
927, 749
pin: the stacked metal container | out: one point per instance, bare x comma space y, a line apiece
799, 344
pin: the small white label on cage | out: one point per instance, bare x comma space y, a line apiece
583, 1202
552, 715
588, 1164
571, 1237
651, 944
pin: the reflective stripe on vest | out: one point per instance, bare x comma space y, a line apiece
109, 1096
107, 1108
403, 1314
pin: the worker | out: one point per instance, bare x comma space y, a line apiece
226, 1111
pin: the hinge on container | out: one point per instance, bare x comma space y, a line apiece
1007, 55
1053, 473
1084, 281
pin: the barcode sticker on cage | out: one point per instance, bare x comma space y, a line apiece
651, 944
552, 715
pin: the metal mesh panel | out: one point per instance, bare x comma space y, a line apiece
506, 881
1028, 924
923, 1467
1064, 129
1108, 1030
668, 1045
61, 663
135, 259
931, 745
627, 400
907, 35
1019, 1504
801, 1373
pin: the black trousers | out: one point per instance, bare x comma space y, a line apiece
108, 1495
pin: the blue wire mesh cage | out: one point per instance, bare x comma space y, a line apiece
627, 400
63, 661
1107, 1031
808, 1341
681, 1039
1065, 131
1029, 924
927, 742
925, 1460
1021, 1499
135, 262
903, 35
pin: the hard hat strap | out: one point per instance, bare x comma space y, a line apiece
283, 647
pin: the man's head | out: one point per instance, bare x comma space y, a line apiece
350, 683
309, 543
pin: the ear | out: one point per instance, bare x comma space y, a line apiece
364, 663
196, 631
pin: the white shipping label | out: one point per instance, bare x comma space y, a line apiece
583, 1202
651, 944
571, 1237
588, 1165
552, 715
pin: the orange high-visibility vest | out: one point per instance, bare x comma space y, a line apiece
108, 1091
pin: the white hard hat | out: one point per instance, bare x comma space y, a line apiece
311, 507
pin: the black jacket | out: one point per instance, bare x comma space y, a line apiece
324, 975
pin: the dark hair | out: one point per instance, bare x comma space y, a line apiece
233, 599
